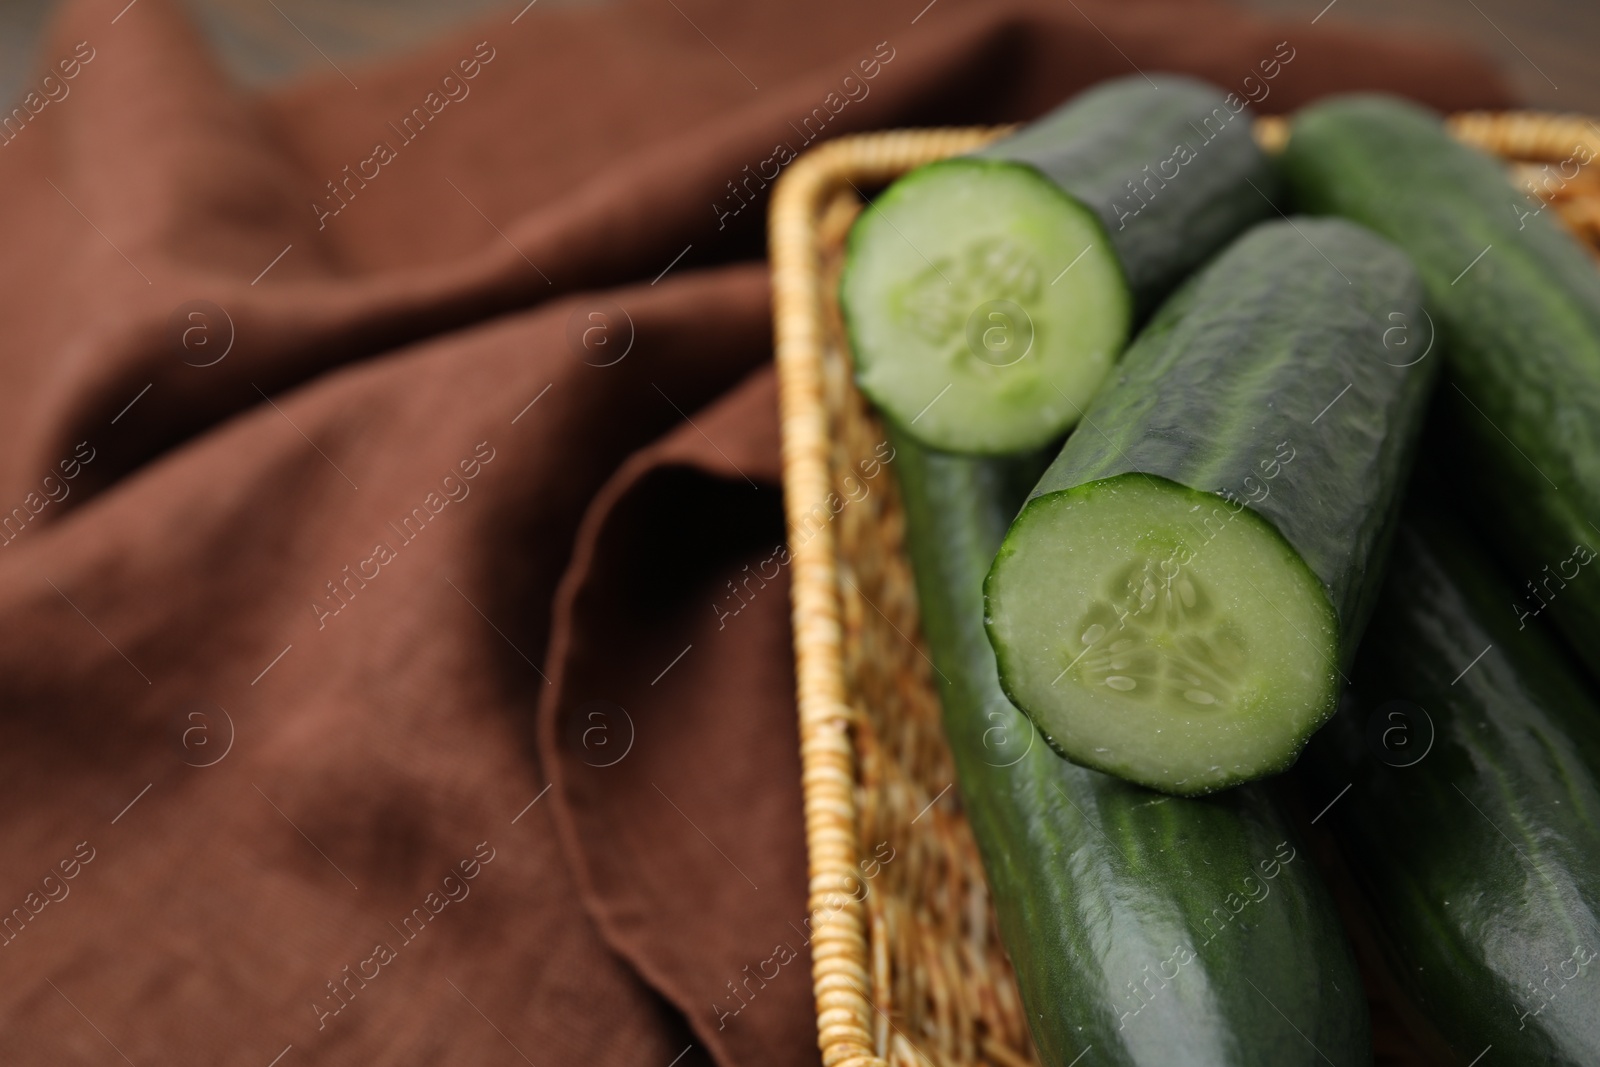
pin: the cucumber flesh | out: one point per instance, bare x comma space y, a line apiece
1179, 641
974, 341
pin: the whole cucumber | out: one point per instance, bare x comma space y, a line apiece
1145, 929
1466, 803
1516, 301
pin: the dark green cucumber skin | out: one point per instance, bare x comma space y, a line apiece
1520, 329
1094, 879
1121, 134
1246, 356
1480, 862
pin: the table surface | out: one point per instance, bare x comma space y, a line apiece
1543, 45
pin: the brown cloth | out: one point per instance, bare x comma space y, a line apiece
380, 458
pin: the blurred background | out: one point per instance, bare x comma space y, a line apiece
1544, 46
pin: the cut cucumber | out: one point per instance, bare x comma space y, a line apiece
1469, 753
986, 297
1517, 302
1151, 930
1175, 601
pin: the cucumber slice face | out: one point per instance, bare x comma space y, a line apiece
1160, 635
984, 306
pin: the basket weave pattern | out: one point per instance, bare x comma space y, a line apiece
907, 966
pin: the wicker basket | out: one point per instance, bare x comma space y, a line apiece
907, 965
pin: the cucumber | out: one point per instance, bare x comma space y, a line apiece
1144, 929
1473, 822
1517, 305
1175, 601
987, 296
